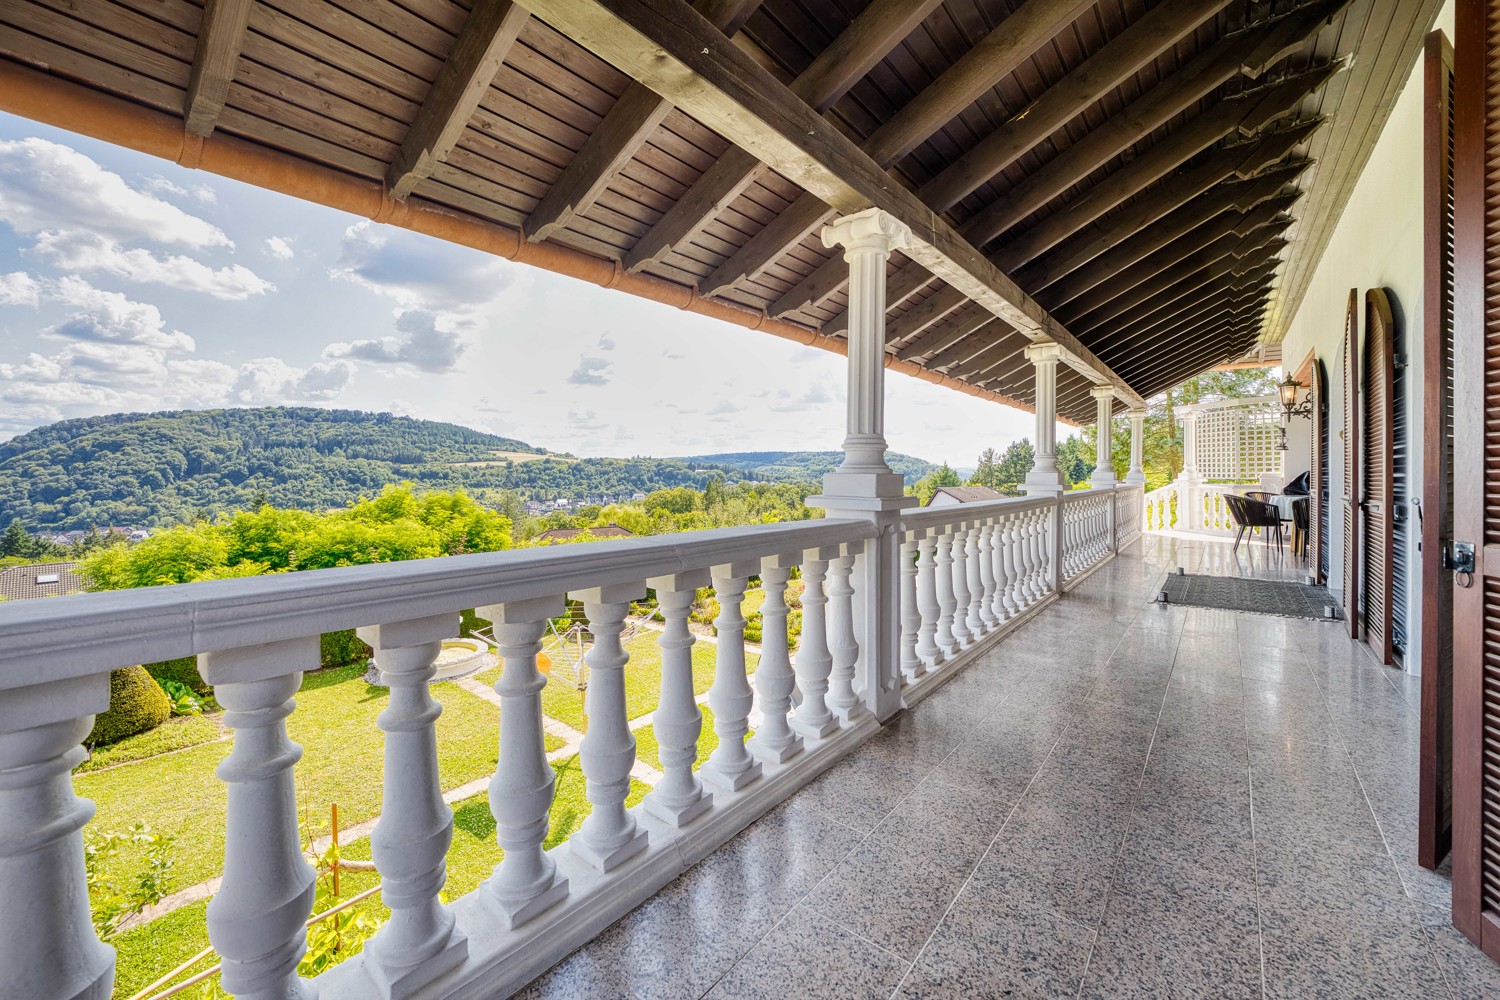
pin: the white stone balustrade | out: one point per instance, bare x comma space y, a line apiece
410, 841
984, 566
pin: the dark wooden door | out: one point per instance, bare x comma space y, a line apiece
1318, 512
1351, 465
1377, 414
1434, 501
1476, 475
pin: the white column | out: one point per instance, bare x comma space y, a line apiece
1189, 498
608, 837
814, 661
678, 797
912, 666
864, 486
730, 766
255, 920
989, 551
1044, 477
843, 645
1010, 573
410, 840
947, 635
774, 740
47, 944
961, 596
1104, 425
525, 882
975, 556
1137, 474
928, 647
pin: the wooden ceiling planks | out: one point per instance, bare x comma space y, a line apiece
340, 82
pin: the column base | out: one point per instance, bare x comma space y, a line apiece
515, 912
677, 816
711, 775
1103, 483
604, 860
1052, 487
1134, 478
402, 983
849, 713
775, 754
815, 730
863, 492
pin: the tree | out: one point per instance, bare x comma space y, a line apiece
986, 474
1075, 459
943, 475
1017, 461
15, 541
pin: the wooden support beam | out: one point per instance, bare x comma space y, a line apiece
877, 30
215, 58
1170, 337
1234, 115
976, 71
1235, 199
669, 47
985, 360
1178, 361
1190, 288
1078, 299
1242, 159
973, 320
482, 45
964, 351
1124, 55
1229, 292
615, 140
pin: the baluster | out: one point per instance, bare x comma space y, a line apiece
912, 666
961, 598
774, 739
974, 559
256, 919
410, 840
1009, 574
48, 949
947, 604
678, 797
984, 556
1041, 544
730, 766
928, 649
814, 661
843, 646
1030, 551
525, 882
996, 592
608, 837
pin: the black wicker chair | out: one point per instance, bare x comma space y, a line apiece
1252, 514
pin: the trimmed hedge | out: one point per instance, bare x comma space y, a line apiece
338, 649
136, 703
184, 671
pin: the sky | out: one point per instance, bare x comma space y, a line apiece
128, 283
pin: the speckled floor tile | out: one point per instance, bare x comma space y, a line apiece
992, 945
1343, 960
1471, 974
861, 789
811, 959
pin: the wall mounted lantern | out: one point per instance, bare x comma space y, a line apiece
1287, 389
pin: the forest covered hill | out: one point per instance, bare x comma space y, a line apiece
156, 469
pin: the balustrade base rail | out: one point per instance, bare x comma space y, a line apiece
965, 577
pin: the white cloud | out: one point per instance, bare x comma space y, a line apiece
423, 344
592, 371
420, 272
280, 248
80, 251
109, 317
815, 397
268, 380
19, 289
606, 343
48, 186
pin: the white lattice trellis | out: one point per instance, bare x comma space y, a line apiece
1236, 439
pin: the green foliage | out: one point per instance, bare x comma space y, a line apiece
184, 701
114, 900
182, 671
136, 703
943, 475
174, 734
339, 649
806, 466
17, 543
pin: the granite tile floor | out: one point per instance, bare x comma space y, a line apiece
1119, 800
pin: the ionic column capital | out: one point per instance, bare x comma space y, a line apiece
1044, 352
870, 231
1103, 392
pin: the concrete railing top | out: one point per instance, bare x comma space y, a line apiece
938, 517
82, 634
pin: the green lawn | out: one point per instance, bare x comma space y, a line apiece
342, 762
648, 751
564, 702
147, 952
175, 734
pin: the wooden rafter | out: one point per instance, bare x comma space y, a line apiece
672, 49
614, 142
878, 29
214, 60
972, 321
482, 45
1229, 292
976, 71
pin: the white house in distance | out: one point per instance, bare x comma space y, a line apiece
992, 765
949, 496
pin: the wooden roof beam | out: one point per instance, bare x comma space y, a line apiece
1169, 337
1227, 205
967, 322
1180, 364
669, 47
1230, 292
877, 30
1249, 159
481, 47
220, 39
1123, 56
615, 140
993, 59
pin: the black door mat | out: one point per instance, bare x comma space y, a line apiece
1266, 597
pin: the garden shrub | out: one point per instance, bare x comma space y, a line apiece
136, 703
469, 623
339, 649
183, 670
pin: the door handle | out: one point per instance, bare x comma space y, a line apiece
1459, 557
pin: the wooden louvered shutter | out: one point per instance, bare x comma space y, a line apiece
1317, 480
1351, 465
1377, 413
1434, 504
1476, 472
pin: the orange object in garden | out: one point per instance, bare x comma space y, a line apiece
543, 663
